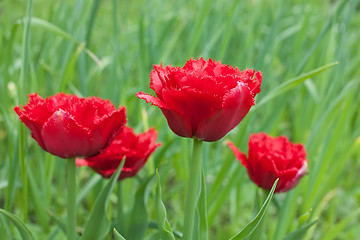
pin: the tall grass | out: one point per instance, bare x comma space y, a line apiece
107, 49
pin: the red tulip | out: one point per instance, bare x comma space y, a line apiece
270, 158
68, 126
204, 99
135, 148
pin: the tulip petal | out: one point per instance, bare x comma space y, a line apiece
151, 99
107, 130
238, 154
81, 162
189, 109
34, 126
158, 81
37, 109
292, 177
63, 137
63, 124
176, 121
252, 79
236, 105
203, 99
135, 148
84, 113
270, 158
262, 171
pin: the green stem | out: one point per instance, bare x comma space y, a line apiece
115, 65
25, 53
22, 96
22, 156
193, 190
71, 204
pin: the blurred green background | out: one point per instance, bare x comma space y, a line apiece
107, 49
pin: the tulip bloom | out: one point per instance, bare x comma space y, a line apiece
270, 158
136, 149
67, 126
204, 99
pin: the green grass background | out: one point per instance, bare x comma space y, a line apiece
107, 49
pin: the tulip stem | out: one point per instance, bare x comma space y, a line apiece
71, 204
193, 190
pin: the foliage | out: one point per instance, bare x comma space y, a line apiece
107, 49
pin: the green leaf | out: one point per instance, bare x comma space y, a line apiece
118, 236
38, 22
154, 236
198, 25
60, 222
69, 70
40, 211
160, 210
138, 220
300, 232
338, 228
303, 218
288, 85
249, 229
259, 232
24, 231
98, 224
87, 187
153, 225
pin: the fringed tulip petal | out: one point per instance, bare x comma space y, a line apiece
68, 126
270, 158
203, 99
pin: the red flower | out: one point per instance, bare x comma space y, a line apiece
204, 99
135, 148
68, 126
270, 158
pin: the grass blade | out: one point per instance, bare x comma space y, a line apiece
69, 70
118, 236
38, 22
160, 210
98, 224
194, 39
288, 85
249, 229
334, 231
24, 231
299, 233
138, 220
